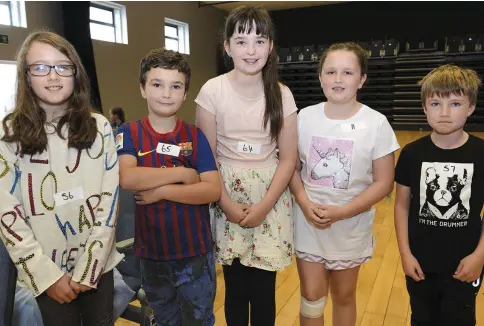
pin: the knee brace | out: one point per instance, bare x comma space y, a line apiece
312, 309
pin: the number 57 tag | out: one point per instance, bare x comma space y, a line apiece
65, 197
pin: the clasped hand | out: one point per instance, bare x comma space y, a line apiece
322, 216
65, 290
248, 216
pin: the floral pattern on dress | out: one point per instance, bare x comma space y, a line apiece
268, 246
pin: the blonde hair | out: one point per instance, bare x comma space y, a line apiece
450, 79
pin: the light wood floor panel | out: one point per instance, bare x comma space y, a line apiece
382, 297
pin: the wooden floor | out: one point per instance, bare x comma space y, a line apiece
382, 298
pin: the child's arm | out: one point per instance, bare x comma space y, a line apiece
470, 268
383, 176
204, 192
383, 166
480, 247
287, 142
90, 265
310, 209
296, 185
132, 177
206, 121
37, 270
411, 267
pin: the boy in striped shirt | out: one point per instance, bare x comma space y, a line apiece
170, 167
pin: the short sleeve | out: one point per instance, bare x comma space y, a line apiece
288, 103
205, 160
402, 175
206, 97
386, 141
124, 141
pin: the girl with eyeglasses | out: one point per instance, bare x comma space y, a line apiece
59, 187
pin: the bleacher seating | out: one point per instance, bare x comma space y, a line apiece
393, 74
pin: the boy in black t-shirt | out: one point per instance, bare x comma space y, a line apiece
440, 195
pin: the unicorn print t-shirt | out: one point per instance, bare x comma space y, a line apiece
336, 157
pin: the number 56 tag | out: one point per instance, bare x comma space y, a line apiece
65, 197
168, 149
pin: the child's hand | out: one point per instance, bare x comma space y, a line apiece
235, 212
256, 214
78, 287
331, 212
469, 269
61, 291
314, 215
146, 197
412, 268
191, 176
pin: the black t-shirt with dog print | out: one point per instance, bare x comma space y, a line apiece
447, 196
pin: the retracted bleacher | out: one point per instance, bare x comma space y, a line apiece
394, 69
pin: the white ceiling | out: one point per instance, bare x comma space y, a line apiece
269, 5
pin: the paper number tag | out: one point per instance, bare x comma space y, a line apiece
68, 196
168, 149
349, 127
248, 148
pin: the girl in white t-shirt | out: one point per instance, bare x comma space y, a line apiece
245, 114
345, 166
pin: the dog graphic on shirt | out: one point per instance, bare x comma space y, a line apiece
446, 190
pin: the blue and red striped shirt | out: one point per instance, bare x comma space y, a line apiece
168, 230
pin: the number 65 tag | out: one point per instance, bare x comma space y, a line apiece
65, 197
168, 149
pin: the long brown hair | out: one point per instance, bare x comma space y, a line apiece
243, 19
25, 125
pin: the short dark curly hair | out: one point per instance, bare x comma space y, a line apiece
167, 59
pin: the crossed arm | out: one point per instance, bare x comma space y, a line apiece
180, 184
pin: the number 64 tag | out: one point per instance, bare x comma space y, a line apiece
243, 147
65, 197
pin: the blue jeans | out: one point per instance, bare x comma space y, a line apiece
181, 292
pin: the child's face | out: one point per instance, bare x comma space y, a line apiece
164, 91
248, 51
341, 76
112, 117
52, 91
447, 114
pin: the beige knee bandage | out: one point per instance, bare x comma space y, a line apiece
312, 309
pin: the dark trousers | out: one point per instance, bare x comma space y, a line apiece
443, 301
248, 285
94, 307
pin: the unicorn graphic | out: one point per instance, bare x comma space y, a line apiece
333, 164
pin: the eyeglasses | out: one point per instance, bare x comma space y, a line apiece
44, 70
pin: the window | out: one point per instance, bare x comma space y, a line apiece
108, 22
13, 13
176, 36
8, 79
